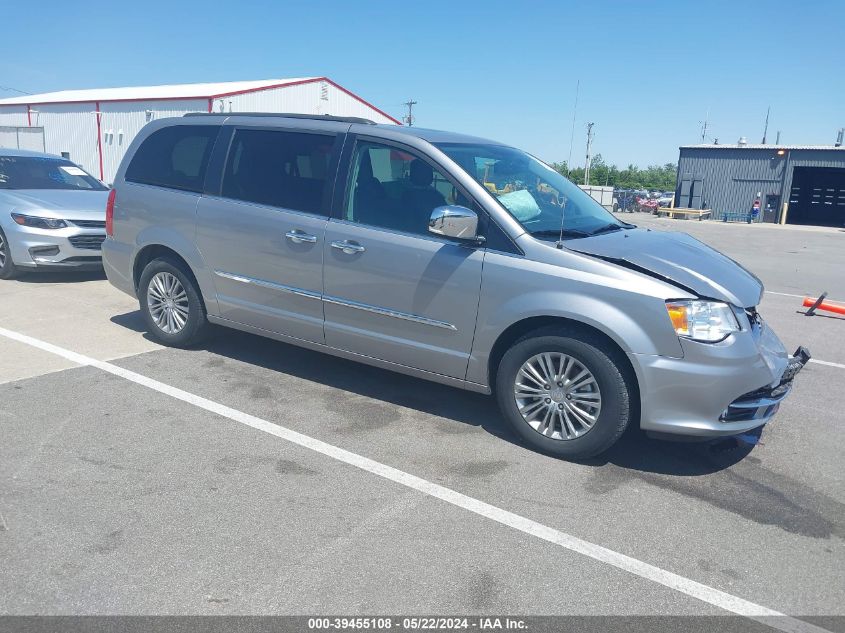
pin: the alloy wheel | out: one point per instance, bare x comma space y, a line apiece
2, 252
557, 396
167, 302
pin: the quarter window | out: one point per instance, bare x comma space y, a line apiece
289, 170
395, 189
175, 157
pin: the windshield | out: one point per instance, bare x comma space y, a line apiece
532, 192
37, 172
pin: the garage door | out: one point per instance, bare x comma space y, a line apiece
817, 197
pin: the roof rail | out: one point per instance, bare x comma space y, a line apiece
288, 115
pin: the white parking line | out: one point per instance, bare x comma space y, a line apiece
784, 294
705, 593
828, 363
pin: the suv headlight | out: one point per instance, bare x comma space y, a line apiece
706, 321
38, 222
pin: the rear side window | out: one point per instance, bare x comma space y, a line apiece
175, 157
289, 170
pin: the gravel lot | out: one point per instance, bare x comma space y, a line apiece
116, 498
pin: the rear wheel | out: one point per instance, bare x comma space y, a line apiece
171, 303
564, 394
8, 270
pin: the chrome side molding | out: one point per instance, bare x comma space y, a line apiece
301, 292
405, 316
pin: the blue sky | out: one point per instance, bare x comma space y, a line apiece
649, 71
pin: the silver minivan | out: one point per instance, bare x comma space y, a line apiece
443, 256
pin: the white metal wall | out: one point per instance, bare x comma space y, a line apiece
120, 122
343, 104
311, 98
72, 128
13, 116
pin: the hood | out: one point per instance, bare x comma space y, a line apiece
67, 204
678, 258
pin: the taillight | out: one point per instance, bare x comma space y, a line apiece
110, 214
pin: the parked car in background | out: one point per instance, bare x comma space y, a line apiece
447, 257
625, 200
665, 199
52, 214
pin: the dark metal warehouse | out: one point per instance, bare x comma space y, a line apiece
796, 184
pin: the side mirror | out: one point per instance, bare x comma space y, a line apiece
454, 221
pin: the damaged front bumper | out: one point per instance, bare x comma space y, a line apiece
761, 404
716, 390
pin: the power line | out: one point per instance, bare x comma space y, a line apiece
10, 89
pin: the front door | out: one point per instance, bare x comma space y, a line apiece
393, 290
263, 236
772, 208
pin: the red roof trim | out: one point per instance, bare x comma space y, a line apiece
210, 98
366, 103
308, 81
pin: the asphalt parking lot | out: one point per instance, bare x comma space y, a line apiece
119, 498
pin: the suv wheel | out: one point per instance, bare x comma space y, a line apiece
564, 394
171, 303
8, 270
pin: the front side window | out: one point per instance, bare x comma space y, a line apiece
37, 172
395, 189
540, 198
174, 157
289, 170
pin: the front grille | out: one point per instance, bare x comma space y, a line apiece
89, 242
89, 224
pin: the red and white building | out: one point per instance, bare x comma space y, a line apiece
95, 127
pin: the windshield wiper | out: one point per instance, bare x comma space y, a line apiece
559, 233
607, 228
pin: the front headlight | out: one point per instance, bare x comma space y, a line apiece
37, 222
706, 321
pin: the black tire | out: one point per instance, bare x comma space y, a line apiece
606, 364
8, 270
196, 324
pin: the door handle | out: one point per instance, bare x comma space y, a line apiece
298, 237
348, 247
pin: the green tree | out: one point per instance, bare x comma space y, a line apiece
661, 177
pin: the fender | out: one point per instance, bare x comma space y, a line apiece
175, 240
610, 306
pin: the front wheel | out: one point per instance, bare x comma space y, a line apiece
8, 270
564, 394
171, 303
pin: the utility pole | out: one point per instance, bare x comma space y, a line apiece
766, 129
777, 138
589, 146
704, 126
409, 118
